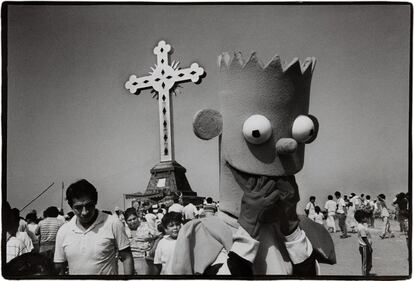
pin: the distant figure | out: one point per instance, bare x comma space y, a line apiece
209, 207
189, 212
386, 233
48, 228
310, 208
365, 241
350, 220
14, 246
89, 243
176, 206
341, 213
172, 224
370, 208
32, 229
330, 207
318, 215
401, 206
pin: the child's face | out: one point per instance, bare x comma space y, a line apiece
172, 229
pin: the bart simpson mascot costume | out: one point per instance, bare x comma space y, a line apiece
263, 127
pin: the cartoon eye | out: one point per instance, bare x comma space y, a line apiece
305, 128
257, 129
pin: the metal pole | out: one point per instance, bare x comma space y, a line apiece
61, 201
38, 196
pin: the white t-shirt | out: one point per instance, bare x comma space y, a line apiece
189, 211
318, 218
92, 251
341, 205
24, 237
363, 232
14, 248
175, 208
164, 253
330, 206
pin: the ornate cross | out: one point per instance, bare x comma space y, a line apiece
162, 79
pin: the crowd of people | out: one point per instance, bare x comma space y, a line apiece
356, 214
95, 242
142, 238
344, 207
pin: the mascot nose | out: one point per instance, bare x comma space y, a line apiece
286, 146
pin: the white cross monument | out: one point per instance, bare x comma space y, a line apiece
163, 78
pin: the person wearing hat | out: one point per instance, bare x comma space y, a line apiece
385, 214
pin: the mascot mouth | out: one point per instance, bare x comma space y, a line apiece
242, 178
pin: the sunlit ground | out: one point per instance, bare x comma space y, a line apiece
390, 256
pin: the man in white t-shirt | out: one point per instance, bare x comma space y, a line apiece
341, 212
189, 212
176, 206
91, 240
330, 207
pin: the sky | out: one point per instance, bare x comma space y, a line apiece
70, 117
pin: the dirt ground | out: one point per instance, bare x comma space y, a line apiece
390, 256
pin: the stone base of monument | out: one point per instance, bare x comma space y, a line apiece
168, 180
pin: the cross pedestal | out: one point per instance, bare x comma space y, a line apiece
167, 177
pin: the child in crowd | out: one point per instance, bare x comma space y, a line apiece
172, 224
365, 242
318, 217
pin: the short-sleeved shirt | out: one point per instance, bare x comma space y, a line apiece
330, 206
92, 251
189, 211
363, 232
164, 253
24, 237
341, 205
318, 218
48, 229
14, 248
178, 208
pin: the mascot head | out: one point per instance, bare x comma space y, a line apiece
263, 124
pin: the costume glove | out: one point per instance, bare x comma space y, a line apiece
260, 195
289, 197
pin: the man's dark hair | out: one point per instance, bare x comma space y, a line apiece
368, 197
330, 197
209, 200
337, 194
171, 217
312, 198
360, 215
52, 212
80, 189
